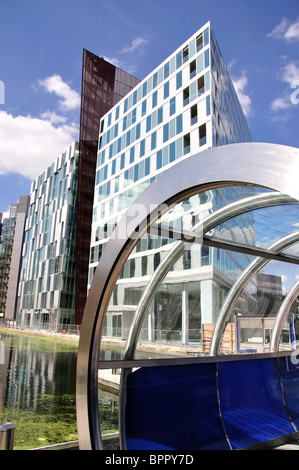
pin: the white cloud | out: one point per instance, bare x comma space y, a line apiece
53, 117
240, 85
70, 99
136, 47
286, 30
137, 44
29, 145
280, 104
290, 72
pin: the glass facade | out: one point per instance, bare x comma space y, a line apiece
47, 284
186, 105
6, 244
103, 85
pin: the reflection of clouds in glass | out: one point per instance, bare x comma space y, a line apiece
289, 273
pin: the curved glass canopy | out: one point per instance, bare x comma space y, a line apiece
204, 263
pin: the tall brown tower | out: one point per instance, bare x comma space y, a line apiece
103, 85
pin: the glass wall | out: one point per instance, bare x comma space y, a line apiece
179, 278
188, 302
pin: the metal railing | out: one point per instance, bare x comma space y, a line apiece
40, 326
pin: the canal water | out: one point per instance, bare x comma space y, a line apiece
39, 390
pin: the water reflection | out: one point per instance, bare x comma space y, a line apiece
39, 389
35, 367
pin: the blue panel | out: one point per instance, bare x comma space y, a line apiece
251, 402
289, 372
173, 408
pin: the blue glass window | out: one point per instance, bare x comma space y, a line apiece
166, 90
178, 59
207, 58
208, 103
132, 154
179, 124
155, 80
101, 158
154, 99
206, 36
142, 148
160, 115
199, 63
165, 132
159, 160
134, 115
128, 138
125, 122
179, 80
144, 89
143, 108
148, 123
122, 161
165, 155
172, 106
166, 70
153, 140
126, 105
113, 167
172, 128
207, 81
136, 167
172, 152
147, 166
192, 48
193, 91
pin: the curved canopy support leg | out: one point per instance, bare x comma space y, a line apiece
237, 288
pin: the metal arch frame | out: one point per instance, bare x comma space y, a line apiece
267, 165
232, 210
282, 315
211, 221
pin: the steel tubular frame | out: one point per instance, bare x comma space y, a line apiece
266, 165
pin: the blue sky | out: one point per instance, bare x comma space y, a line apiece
41, 43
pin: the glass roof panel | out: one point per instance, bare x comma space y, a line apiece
258, 228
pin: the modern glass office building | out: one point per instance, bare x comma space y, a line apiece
47, 283
11, 242
103, 85
7, 235
186, 105
53, 293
